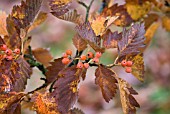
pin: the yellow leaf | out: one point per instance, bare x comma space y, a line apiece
3, 30
166, 22
138, 11
150, 32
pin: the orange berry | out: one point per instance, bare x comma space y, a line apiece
3, 47
98, 54
17, 51
86, 65
129, 63
124, 63
96, 60
65, 55
128, 69
80, 65
65, 61
9, 57
69, 52
8, 52
83, 57
90, 55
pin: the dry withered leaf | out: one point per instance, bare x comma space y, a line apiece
124, 19
110, 39
44, 104
14, 75
65, 88
42, 16
71, 16
3, 30
150, 19
59, 7
54, 69
86, 32
76, 111
79, 43
129, 103
132, 40
105, 78
166, 23
137, 11
42, 55
9, 103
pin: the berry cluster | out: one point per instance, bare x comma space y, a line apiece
84, 59
6, 53
128, 65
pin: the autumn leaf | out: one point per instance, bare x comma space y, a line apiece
87, 33
150, 19
76, 111
42, 16
137, 11
124, 19
10, 103
79, 43
132, 40
71, 16
54, 69
14, 75
66, 88
44, 104
110, 39
105, 78
166, 22
129, 103
42, 55
1, 41
3, 30
150, 32
59, 7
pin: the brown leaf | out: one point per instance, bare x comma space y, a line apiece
59, 7
110, 39
14, 75
3, 30
79, 43
71, 16
54, 69
10, 103
65, 88
87, 33
105, 78
42, 55
132, 40
166, 23
124, 19
129, 103
42, 16
150, 19
76, 111
44, 104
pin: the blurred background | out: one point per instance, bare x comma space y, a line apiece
154, 93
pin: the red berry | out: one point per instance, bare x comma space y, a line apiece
8, 52
9, 57
98, 54
96, 60
3, 47
69, 52
124, 63
128, 69
65, 55
83, 57
129, 63
90, 55
80, 65
65, 61
17, 51
86, 65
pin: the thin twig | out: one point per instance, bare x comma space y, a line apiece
88, 10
